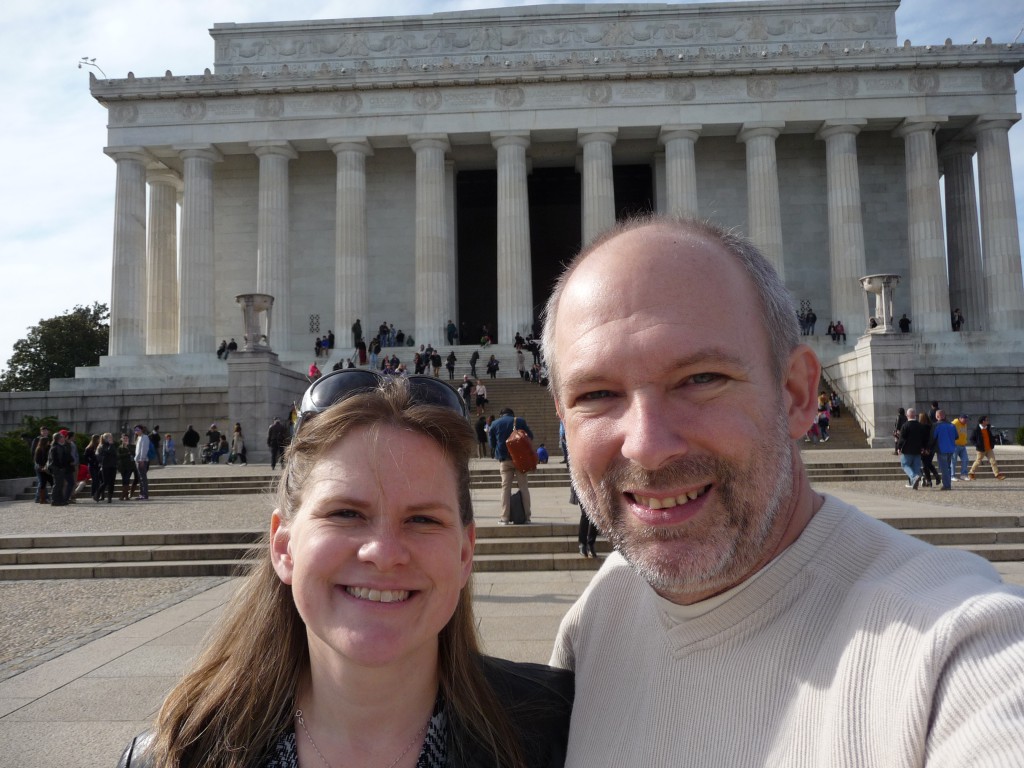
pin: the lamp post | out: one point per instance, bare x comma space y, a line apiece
85, 61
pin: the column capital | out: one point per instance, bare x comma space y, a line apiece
750, 131
340, 144
140, 154
274, 147
510, 138
830, 128
689, 131
420, 141
161, 174
917, 124
991, 122
201, 151
585, 136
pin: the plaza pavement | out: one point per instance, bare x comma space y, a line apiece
80, 705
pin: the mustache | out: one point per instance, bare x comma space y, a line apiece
688, 470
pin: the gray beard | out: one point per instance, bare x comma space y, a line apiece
752, 496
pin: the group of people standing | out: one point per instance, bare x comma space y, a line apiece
922, 437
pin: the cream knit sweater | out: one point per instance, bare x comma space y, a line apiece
858, 646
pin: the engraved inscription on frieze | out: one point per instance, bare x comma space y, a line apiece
961, 82
681, 91
762, 88
509, 98
467, 99
347, 103
192, 109
924, 82
724, 88
844, 86
884, 83
599, 93
428, 100
997, 80
269, 106
382, 101
124, 114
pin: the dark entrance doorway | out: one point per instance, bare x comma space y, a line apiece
555, 234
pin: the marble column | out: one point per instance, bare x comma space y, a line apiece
764, 215
929, 288
515, 281
847, 261
1000, 242
272, 257
963, 237
162, 263
598, 181
680, 168
434, 281
128, 290
351, 249
197, 297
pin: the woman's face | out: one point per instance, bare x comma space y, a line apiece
376, 554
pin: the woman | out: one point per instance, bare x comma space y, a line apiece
352, 642
94, 475
106, 456
492, 367
481, 397
127, 467
169, 456
237, 449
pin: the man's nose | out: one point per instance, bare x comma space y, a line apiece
652, 436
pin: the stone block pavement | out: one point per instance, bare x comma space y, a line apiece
74, 695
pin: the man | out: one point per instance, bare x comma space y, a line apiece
191, 442
961, 446
142, 444
933, 412
39, 468
913, 437
72, 447
232, 347
155, 441
277, 438
498, 433
746, 619
905, 324
357, 332
213, 436
58, 461
981, 439
943, 445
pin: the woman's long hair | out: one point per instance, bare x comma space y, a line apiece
240, 697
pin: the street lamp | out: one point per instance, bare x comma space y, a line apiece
85, 61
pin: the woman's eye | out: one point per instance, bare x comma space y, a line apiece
344, 514
423, 520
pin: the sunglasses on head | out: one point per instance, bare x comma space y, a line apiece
339, 385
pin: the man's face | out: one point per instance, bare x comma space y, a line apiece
680, 436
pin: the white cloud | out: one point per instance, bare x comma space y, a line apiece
57, 195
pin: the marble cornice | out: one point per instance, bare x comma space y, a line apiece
743, 62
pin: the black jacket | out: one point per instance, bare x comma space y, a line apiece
538, 700
913, 437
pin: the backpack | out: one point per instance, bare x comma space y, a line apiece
520, 451
151, 456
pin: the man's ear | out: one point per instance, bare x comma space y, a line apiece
280, 547
800, 387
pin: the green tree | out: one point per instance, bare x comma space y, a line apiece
55, 347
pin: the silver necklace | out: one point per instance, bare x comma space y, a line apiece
415, 740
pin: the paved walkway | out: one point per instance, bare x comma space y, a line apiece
92, 687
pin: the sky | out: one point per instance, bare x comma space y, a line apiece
57, 186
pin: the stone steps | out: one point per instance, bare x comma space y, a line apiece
542, 547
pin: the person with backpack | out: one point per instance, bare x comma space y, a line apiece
498, 434
191, 442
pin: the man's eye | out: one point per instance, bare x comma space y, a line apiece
704, 378
598, 394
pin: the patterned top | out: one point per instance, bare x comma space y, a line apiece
434, 753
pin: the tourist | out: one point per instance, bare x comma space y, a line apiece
353, 640
357, 332
40, 457
168, 455
92, 467
492, 367
127, 468
960, 451
497, 435
452, 333
449, 364
905, 324
981, 439
107, 454
901, 419
191, 442
222, 350
277, 439
232, 347
943, 445
840, 332
314, 372
481, 397
744, 618
58, 463
958, 319
142, 460
237, 447
473, 360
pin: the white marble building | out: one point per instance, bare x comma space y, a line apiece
421, 169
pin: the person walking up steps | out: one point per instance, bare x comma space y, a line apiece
981, 439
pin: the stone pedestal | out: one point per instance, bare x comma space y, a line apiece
877, 380
260, 388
